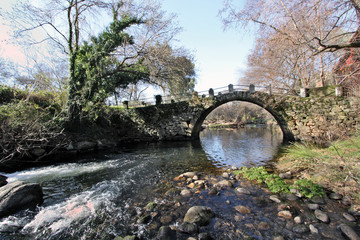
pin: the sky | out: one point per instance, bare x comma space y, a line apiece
219, 55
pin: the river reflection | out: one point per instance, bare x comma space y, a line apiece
86, 197
253, 145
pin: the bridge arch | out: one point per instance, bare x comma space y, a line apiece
198, 120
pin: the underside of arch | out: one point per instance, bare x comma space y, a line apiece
197, 123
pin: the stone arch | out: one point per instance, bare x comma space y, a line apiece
198, 120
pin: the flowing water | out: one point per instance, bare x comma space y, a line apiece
101, 194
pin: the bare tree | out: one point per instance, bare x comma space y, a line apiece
320, 25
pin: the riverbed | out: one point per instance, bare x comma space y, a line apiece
101, 197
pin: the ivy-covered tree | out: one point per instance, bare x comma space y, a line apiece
98, 71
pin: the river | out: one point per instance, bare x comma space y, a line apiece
98, 197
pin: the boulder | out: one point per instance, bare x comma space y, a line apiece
85, 145
200, 215
3, 181
18, 195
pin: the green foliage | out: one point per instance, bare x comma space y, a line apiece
277, 185
308, 189
273, 181
97, 72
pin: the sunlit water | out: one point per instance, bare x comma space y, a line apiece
98, 195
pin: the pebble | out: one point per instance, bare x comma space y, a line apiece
213, 191
204, 236
286, 175
224, 183
274, 198
243, 191
285, 214
185, 192
291, 197
349, 217
188, 174
186, 227
228, 202
313, 206
300, 228
335, 196
225, 175
298, 220
313, 229
263, 226
322, 216
318, 200
278, 238
349, 232
242, 209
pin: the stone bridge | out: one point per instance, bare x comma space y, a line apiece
318, 115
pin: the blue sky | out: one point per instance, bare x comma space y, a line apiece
219, 54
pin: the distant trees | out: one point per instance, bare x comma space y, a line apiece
235, 112
296, 40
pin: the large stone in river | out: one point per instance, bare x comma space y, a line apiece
200, 215
18, 195
3, 180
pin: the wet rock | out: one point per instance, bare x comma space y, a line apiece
275, 198
166, 219
291, 197
298, 220
85, 145
200, 215
213, 191
335, 196
172, 192
242, 209
313, 229
166, 233
286, 175
195, 178
187, 227
18, 195
322, 216
349, 232
278, 238
133, 237
37, 152
313, 206
346, 201
285, 214
224, 183
228, 202
317, 200
225, 175
185, 192
204, 236
349, 217
150, 206
263, 226
188, 174
243, 191
300, 228
3, 181
144, 219
191, 185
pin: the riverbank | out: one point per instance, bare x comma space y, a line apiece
336, 168
228, 206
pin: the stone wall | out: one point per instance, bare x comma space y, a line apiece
320, 117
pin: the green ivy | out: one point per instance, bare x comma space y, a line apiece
308, 188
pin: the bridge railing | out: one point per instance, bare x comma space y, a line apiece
207, 93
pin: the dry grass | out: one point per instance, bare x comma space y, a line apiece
336, 168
